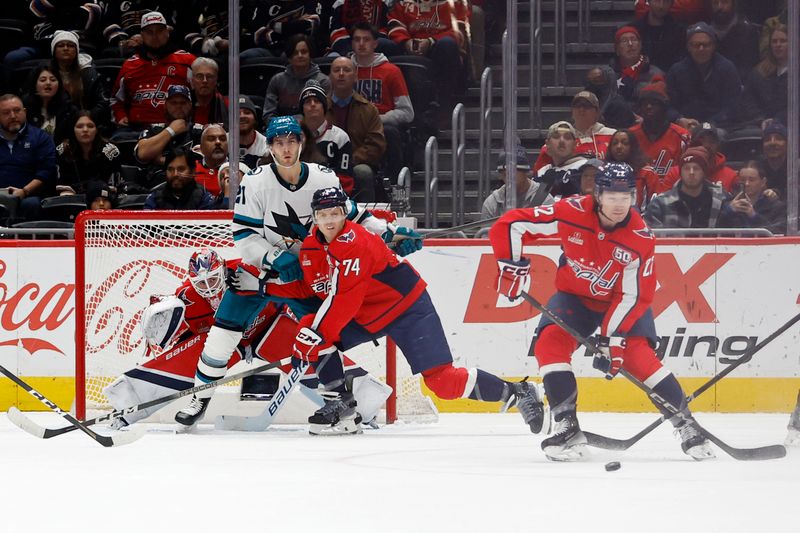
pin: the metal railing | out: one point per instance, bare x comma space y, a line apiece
793, 123
560, 44
712, 232
535, 64
432, 183
458, 146
484, 135
401, 193
37, 233
584, 21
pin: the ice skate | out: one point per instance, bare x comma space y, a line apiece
568, 442
527, 397
693, 443
337, 417
192, 413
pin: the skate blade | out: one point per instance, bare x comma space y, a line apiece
701, 453
345, 427
180, 429
577, 452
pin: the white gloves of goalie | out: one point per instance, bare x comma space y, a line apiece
162, 320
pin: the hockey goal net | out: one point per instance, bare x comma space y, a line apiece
124, 257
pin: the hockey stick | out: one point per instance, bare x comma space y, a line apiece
262, 421
742, 454
609, 443
16, 416
46, 433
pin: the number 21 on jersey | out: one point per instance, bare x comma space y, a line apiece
240, 196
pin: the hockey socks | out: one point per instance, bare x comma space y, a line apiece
489, 388
330, 371
562, 392
670, 391
209, 370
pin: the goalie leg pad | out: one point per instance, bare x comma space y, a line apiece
371, 394
448, 382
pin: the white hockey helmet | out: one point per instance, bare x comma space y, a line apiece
207, 273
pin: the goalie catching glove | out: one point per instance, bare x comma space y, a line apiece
514, 277
610, 355
405, 241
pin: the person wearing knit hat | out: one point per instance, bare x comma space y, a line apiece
693, 202
313, 89
100, 196
81, 81
61, 36
633, 69
774, 158
526, 189
704, 86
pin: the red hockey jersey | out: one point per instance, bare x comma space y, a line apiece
142, 84
612, 271
359, 279
411, 19
664, 152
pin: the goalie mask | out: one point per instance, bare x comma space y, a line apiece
207, 273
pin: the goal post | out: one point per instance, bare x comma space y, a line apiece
124, 257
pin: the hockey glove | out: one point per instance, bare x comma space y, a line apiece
610, 356
285, 264
241, 280
406, 240
308, 345
514, 277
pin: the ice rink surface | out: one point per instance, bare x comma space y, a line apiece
468, 473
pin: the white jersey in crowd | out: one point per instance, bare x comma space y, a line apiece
271, 213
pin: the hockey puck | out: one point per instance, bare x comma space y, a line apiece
612, 466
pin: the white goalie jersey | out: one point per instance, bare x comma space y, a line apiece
271, 213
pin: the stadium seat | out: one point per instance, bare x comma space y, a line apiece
19, 78
109, 68
126, 147
421, 90
742, 145
324, 64
134, 202
58, 229
63, 208
12, 35
254, 77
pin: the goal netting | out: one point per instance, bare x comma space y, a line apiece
124, 257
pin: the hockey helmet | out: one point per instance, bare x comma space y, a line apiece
207, 273
615, 177
328, 197
280, 126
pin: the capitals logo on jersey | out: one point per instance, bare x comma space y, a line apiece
350, 236
599, 285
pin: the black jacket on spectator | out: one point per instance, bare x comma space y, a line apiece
95, 97
665, 45
770, 213
712, 97
765, 97
615, 111
193, 197
60, 107
77, 172
155, 172
776, 177
740, 46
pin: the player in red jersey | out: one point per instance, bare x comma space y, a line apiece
368, 293
175, 327
605, 279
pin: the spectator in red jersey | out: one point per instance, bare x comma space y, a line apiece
214, 149
737, 37
348, 13
662, 141
436, 30
359, 118
210, 107
382, 83
633, 69
624, 148
765, 96
142, 84
693, 202
719, 172
663, 39
592, 136
684, 11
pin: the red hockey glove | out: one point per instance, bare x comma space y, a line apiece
514, 277
610, 356
308, 346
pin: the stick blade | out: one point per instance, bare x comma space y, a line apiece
243, 423
606, 443
121, 438
26, 424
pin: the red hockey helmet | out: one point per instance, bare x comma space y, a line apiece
207, 272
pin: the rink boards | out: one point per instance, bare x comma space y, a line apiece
715, 299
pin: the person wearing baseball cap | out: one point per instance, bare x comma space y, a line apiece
561, 177
704, 86
633, 68
774, 148
140, 89
693, 202
526, 188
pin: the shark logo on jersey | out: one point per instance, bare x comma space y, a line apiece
289, 226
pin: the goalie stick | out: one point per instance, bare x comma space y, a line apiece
774, 451
25, 423
609, 443
45, 433
262, 421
